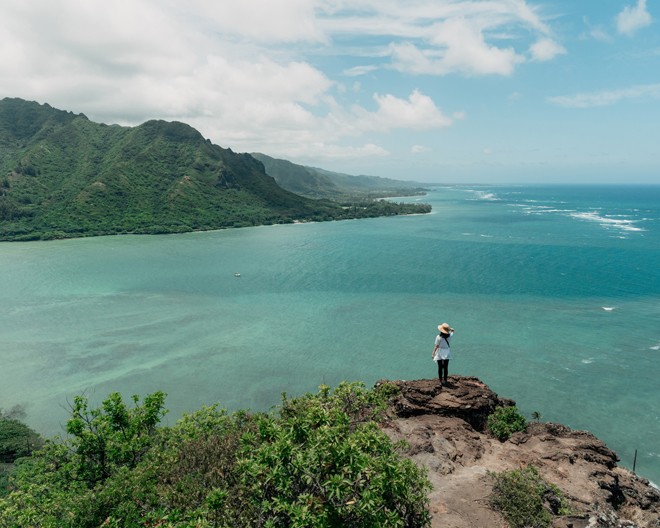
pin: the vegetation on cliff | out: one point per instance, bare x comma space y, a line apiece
320, 461
17, 440
505, 421
402, 454
527, 499
319, 183
62, 175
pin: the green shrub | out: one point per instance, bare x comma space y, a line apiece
112, 436
16, 440
321, 461
326, 463
525, 498
505, 421
5, 471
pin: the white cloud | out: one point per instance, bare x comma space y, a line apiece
606, 98
546, 49
418, 112
297, 130
250, 75
455, 45
257, 20
359, 70
315, 152
633, 18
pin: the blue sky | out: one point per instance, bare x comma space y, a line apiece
431, 90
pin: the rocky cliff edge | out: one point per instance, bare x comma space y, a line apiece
447, 433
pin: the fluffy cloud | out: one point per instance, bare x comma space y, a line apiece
633, 18
418, 112
468, 39
460, 48
258, 20
251, 75
546, 49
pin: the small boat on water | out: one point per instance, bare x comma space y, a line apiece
237, 274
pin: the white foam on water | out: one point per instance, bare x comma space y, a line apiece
545, 209
608, 308
483, 195
587, 361
624, 224
656, 347
620, 222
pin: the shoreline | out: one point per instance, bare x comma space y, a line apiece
293, 222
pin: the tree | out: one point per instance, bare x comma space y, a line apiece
112, 436
16, 440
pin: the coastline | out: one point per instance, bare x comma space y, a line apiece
37, 238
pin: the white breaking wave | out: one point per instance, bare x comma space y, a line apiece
487, 196
608, 308
484, 195
621, 223
544, 209
624, 224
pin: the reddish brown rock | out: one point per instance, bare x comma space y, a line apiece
446, 431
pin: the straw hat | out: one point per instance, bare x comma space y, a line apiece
445, 328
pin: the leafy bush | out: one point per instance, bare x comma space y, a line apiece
64, 484
320, 461
111, 437
16, 440
326, 463
5, 471
505, 421
521, 495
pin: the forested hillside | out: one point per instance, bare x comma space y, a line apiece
62, 175
319, 183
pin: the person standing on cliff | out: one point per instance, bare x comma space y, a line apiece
442, 351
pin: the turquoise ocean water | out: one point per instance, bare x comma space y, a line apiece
554, 293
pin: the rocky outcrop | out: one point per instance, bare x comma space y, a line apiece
446, 430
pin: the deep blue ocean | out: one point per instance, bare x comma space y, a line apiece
554, 293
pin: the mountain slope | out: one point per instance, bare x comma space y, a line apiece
62, 175
319, 183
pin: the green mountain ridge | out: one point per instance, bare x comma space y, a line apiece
314, 182
62, 175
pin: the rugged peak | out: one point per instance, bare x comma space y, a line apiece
467, 398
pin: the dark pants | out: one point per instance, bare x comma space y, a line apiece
443, 369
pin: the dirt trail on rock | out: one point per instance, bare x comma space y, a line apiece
447, 434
